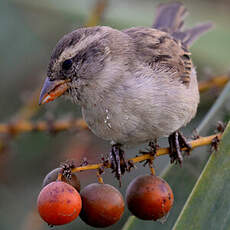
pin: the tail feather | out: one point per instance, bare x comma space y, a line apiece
194, 33
170, 18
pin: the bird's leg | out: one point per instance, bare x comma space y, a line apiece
153, 146
176, 142
183, 141
118, 161
175, 152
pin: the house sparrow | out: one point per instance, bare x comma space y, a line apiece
133, 85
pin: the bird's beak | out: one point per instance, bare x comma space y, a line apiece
52, 89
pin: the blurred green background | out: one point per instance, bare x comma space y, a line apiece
28, 32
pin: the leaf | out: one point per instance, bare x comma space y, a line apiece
209, 202
182, 180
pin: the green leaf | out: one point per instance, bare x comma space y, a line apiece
209, 202
182, 180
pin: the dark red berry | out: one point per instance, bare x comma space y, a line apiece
53, 175
149, 197
102, 205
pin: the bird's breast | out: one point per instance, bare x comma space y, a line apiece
141, 109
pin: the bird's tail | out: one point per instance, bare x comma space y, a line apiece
170, 18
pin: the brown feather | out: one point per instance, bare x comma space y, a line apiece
170, 18
161, 51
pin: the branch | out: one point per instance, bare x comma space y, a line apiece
201, 141
97, 13
52, 126
214, 82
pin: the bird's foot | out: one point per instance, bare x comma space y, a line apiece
118, 162
153, 147
176, 142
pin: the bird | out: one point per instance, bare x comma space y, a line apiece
133, 85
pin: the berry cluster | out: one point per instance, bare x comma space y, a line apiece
60, 201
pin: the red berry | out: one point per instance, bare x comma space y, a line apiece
59, 203
53, 175
102, 205
149, 197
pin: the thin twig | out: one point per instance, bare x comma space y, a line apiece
97, 13
55, 126
214, 82
148, 156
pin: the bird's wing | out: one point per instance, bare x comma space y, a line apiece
162, 52
170, 18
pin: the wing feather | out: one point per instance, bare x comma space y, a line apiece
162, 52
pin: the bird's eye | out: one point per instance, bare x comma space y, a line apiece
67, 64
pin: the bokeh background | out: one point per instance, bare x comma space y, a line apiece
28, 32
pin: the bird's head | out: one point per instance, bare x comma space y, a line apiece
76, 62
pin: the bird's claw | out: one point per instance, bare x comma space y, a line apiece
118, 162
176, 142
153, 147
